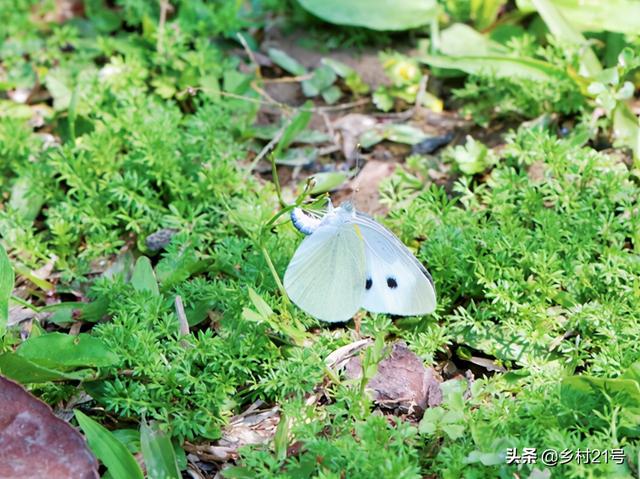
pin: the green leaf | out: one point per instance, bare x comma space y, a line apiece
582, 395
7, 278
23, 199
341, 69
331, 94
562, 29
57, 82
621, 16
74, 310
485, 12
281, 438
383, 100
159, 455
626, 129
298, 156
374, 14
462, 40
113, 454
322, 79
260, 304
25, 371
63, 351
143, 277
327, 181
297, 125
430, 420
453, 431
286, 62
501, 67
403, 133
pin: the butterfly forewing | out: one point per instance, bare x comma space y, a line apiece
325, 278
395, 281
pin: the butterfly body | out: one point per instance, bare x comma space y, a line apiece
349, 261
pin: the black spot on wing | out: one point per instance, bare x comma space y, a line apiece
368, 284
392, 283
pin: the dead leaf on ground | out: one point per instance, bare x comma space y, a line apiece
536, 171
365, 62
351, 127
251, 427
366, 187
402, 381
36, 444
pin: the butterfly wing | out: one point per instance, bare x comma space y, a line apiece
326, 275
395, 282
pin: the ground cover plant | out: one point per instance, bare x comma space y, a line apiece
151, 154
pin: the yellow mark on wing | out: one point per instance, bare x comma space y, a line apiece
358, 232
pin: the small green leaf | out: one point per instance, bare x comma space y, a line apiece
286, 62
260, 304
281, 438
322, 79
331, 94
143, 277
7, 278
297, 125
626, 129
328, 181
298, 156
341, 69
24, 198
159, 455
113, 454
63, 351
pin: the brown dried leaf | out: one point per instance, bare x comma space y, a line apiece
35, 444
366, 186
351, 127
251, 427
402, 381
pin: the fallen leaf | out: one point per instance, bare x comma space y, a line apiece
402, 381
251, 427
351, 127
366, 187
35, 444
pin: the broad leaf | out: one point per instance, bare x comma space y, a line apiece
63, 351
113, 454
374, 14
158, 452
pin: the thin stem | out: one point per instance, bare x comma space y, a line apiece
274, 273
276, 181
164, 8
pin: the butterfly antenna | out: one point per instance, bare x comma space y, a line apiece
358, 167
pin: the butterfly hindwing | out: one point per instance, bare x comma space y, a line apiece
325, 278
395, 280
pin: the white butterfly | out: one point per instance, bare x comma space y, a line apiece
349, 261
